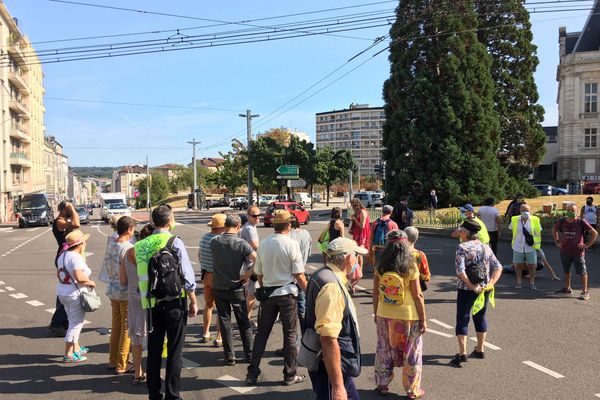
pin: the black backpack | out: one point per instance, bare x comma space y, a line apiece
476, 270
165, 277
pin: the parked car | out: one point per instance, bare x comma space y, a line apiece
369, 199
316, 197
34, 209
558, 191
293, 207
544, 189
238, 203
302, 198
591, 188
116, 209
266, 199
84, 216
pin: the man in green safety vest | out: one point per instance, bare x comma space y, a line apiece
468, 213
167, 316
526, 240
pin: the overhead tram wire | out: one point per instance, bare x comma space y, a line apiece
119, 103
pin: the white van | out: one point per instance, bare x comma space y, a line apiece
302, 198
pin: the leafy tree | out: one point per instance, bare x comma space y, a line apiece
183, 178
267, 154
159, 189
281, 135
232, 172
441, 128
505, 29
332, 166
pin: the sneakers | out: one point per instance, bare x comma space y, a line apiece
230, 363
565, 290
83, 350
518, 286
74, 358
218, 343
458, 359
584, 296
296, 379
477, 354
532, 287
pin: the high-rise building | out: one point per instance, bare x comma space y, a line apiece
22, 123
359, 129
578, 109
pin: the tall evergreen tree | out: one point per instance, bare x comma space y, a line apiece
505, 29
441, 129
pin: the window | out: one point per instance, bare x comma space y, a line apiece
590, 138
590, 166
590, 99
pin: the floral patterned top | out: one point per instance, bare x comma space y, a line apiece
473, 251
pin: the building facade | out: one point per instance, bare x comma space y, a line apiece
127, 179
579, 116
56, 171
358, 129
22, 124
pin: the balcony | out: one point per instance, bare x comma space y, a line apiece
16, 78
18, 107
19, 158
588, 115
19, 132
16, 51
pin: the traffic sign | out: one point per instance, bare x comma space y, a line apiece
299, 183
288, 170
284, 177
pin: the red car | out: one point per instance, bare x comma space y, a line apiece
591, 188
293, 207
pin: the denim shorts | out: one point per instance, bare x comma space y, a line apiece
529, 257
577, 261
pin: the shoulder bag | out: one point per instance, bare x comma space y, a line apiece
88, 298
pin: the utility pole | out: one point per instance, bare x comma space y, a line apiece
148, 183
249, 117
194, 143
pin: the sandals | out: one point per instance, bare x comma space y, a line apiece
129, 370
138, 379
382, 390
418, 395
74, 358
294, 380
565, 290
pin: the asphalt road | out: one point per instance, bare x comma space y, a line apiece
544, 345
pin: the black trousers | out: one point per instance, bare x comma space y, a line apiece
287, 308
59, 318
494, 241
226, 300
170, 318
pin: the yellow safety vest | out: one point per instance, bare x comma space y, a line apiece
536, 230
484, 236
144, 250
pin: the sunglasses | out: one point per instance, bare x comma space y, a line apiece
256, 216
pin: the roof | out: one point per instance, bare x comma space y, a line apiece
352, 109
133, 169
589, 37
167, 166
211, 161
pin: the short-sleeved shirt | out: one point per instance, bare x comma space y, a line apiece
488, 215
330, 304
114, 254
71, 261
473, 251
249, 233
572, 235
304, 240
229, 253
407, 311
277, 260
422, 264
205, 253
520, 244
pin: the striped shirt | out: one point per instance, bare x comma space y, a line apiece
205, 253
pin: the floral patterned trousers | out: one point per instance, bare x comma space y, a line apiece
399, 344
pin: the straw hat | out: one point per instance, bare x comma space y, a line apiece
282, 217
76, 237
217, 221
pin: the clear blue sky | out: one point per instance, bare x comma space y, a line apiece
258, 76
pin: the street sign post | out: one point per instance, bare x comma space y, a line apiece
285, 177
298, 183
288, 170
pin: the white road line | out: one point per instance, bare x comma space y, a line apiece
25, 242
6, 229
443, 334
235, 384
1, 282
51, 310
360, 287
440, 323
33, 229
597, 395
98, 227
85, 322
543, 369
9, 288
486, 344
2, 290
19, 295
34, 303
87, 254
193, 263
192, 247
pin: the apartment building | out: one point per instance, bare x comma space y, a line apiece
127, 178
358, 128
56, 171
22, 124
579, 117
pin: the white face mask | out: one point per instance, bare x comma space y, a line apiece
524, 214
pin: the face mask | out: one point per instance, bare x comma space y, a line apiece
570, 214
353, 270
525, 214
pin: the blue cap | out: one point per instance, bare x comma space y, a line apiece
467, 207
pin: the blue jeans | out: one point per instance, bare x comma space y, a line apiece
464, 304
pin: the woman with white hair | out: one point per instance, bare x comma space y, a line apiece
412, 234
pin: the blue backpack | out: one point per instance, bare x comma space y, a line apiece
381, 231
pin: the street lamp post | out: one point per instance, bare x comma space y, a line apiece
579, 169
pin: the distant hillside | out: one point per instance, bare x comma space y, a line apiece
95, 172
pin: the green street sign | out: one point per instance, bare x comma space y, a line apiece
287, 170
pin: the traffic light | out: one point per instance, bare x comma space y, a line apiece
377, 169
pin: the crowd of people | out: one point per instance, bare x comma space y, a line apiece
151, 286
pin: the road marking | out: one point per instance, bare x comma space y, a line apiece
193, 263
98, 227
6, 229
10, 289
235, 384
85, 322
597, 395
2, 290
440, 323
34, 229
1, 282
19, 295
543, 369
443, 334
51, 310
486, 344
89, 254
34, 303
25, 242
192, 247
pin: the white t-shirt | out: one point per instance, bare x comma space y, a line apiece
488, 215
520, 245
277, 260
589, 214
71, 261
